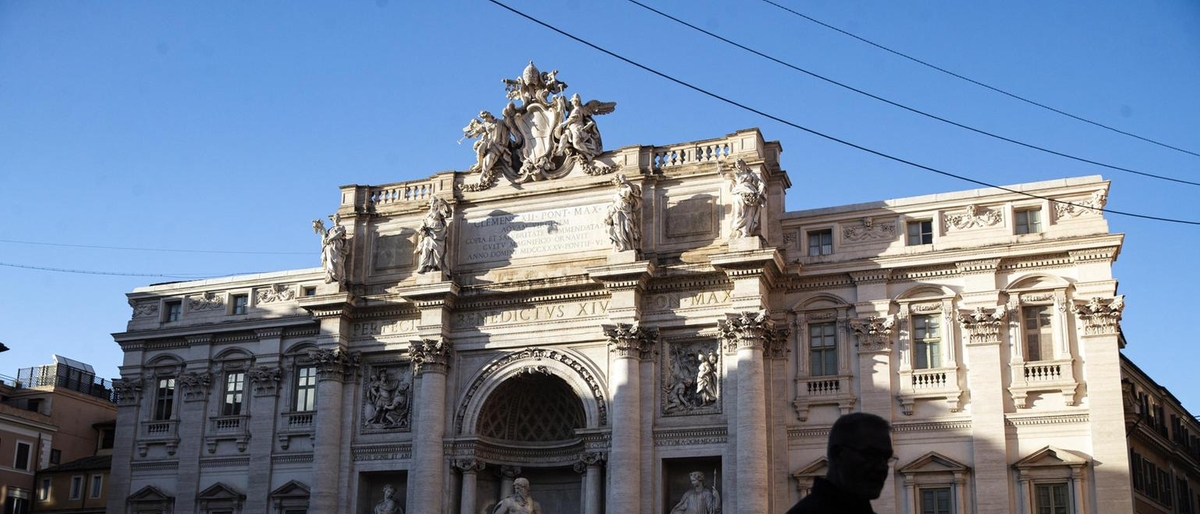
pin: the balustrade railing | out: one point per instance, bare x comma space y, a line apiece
161, 429
299, 420
823, 387
404, 192
227, 424
692, 153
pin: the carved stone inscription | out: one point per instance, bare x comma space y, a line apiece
502, 236
692, 217
394, 251
685, 300
530, 314
383, 328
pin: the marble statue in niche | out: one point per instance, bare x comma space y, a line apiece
624, 218
749, 195
432, 245
334, 247
520, 501
698, 499
388, 505
692, 384
387, 398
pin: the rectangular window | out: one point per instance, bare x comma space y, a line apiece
235, 384
310, 291
1052, 499
927, 341
97, 486
238, 303
1039, 336
820, 242
1029, 221
822, 344
920, 233
164, 399
33, 404
306, 389
172, 311
1135, 466
21, 459
935, 500
107, 436
44, 490
55, 456
76, 487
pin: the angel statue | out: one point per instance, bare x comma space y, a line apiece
334, 248
492, 149
432, 245
578, 131
749, 194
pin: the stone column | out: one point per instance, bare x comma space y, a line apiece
425, 479
1099, 319
334, 366
873, 327
129, 397
985, 376
748, 334
627, 344
593, 467
193, 388
470, 469
507, 475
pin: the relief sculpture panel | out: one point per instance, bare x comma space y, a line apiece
387, 398
691, 378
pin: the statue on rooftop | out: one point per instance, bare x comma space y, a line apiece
578, 132
624, 217
749, 195
432, 244
334, 249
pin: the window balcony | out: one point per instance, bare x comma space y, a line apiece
823, 390
164, 432
1043, 376
929, 384
228, 428
296, 424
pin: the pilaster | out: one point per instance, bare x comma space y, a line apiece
193, 388
129, 397
1100, 329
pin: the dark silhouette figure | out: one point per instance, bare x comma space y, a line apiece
859, 452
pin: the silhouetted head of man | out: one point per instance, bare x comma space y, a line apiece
859, 451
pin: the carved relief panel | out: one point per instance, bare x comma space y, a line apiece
387, 398
691, 377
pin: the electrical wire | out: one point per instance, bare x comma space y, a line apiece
907, 108
985, 86
823, 135
68, 245
113, 273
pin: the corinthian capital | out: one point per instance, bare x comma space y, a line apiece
1100, 316
983, 325
631, 340
431, 355
874, 332
755, 330
334, 363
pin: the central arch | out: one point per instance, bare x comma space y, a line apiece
531, 408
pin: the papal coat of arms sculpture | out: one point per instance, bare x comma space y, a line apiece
540, 134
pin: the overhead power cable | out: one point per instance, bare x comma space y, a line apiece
985, 86
907, 108
821, 134
112, 273
174, 250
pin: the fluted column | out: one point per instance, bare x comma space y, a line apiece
425, 479
470, 469
593, 467
334, 366
627, 344
748, 334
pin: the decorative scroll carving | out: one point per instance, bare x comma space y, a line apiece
431, 355
624, 218
265, 379
194, 385
387, 399
754, 330
1089, 207
275, 293
983, 325
869, 231
144, 309
205, 301
630, 340
539, 133
693, 384
749, 197
972, 218
334, 363
128, 391
534, 354
1100, 316
874, 333
335, 249
469, 465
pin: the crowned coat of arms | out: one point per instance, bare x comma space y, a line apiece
539, 134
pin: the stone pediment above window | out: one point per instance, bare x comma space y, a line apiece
290, 496
220, 497
1052, 456
932, 474
150, 499
806, 475
933, 462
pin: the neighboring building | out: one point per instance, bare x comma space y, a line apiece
1164, 446
54, 415
602, 324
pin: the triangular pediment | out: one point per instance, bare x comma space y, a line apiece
933, 462
816, 468
292, 489
220, 491
1052, 456
150, 494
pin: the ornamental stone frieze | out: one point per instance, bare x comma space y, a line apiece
1089, 207
1100, 316
205, 301
631, 340
275, 293
265, 379
983, 325
869, 230
431, 355
144, 309
194, 385
754, 330
128, 391
469, 465
874, 333
334, 363
972, 218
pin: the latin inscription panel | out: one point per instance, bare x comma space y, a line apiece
502, 236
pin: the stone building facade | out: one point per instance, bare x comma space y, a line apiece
604, 323
1164, 446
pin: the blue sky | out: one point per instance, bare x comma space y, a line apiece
230, 125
